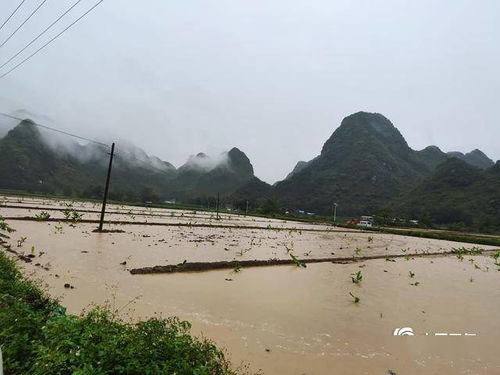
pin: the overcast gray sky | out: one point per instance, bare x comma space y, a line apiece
272, 77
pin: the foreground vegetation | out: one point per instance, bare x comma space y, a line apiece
37, 337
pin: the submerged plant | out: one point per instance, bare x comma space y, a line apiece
4, 226
42, 216
461, 251
73, 215
21, 241
297, 262
411, 274
495, 256
356, 299
357, 278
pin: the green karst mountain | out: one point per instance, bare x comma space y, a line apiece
206, 176
365, 163
366, 166
476, 158
456, 192
298, 167
431, 156
28, 163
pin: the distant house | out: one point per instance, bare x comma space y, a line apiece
366, 221
363, 221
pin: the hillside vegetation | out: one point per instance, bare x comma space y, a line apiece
28, 163
366, 167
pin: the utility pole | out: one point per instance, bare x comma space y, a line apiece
334, 212
246, 209
106, 189
218, 201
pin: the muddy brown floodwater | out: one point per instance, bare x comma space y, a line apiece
282, 319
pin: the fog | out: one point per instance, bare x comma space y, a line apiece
273, 78
206, 162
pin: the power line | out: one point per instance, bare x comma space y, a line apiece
43, 32
118, 155
22, 24
56, 130
51, 40
12, 14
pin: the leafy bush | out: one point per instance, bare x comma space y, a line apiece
37, 337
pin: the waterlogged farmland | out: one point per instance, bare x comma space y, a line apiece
331, 309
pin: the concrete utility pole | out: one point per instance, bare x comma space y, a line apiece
106, 189
334, 212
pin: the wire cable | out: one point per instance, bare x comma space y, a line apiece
117, 155
56, 130
51, 40
39, 35
22, 24
12, 14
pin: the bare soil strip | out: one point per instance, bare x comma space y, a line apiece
209, 266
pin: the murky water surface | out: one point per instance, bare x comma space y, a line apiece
286, 320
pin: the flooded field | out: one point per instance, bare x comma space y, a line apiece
280, 319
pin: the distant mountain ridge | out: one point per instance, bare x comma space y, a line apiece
365, 163
29, 163
476, 158
456, 192
366, 166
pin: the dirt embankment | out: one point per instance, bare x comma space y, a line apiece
208, 266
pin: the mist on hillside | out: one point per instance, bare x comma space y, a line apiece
205, 162
89, 151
